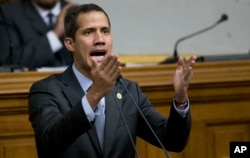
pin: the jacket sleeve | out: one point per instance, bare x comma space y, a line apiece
57, 123
172, 131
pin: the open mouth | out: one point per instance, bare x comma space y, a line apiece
98, 55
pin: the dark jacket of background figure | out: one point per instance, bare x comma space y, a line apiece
62, 129
28, 34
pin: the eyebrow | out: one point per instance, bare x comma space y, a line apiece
94, 28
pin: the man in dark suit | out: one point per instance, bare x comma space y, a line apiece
65, 109
34, 43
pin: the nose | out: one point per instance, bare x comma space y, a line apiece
99, 38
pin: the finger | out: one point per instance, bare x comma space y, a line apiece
113, 67
191, 61
104, 63
67, 7
110, 67
93, 64
181, 63
93, 67
115, 71
111, 62
189, 74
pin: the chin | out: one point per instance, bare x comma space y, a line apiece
47, 5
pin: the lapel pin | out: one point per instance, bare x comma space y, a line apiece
119, 96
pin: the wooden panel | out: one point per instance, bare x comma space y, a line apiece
17, 147
16, 137
219, 136
15, 125
219, 94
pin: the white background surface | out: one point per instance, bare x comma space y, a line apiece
153, 26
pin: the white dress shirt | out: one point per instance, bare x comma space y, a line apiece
54, 41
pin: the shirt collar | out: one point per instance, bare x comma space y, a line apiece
83, 80
44, 12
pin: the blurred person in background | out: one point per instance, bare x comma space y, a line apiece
36, 30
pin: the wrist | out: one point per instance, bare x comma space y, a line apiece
181, 105
181, 98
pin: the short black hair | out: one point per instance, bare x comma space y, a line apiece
70, 24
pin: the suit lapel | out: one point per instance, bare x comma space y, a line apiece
73, 92
34, 18
94, 138
113, 101
112, 114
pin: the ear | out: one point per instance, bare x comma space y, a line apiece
69, 44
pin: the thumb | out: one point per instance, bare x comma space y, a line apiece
93, 67
93, 64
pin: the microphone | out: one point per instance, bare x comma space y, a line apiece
10, 67
119, 79
174, 59
126, 125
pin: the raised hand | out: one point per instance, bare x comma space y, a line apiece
59, 24
182, 78
104, 76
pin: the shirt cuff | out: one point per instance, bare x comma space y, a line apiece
54, 42
88, 109
183, 112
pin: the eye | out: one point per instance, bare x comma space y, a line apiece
106, 30
88, 31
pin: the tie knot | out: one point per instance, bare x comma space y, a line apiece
50, 15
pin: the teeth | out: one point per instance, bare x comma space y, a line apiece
97, 58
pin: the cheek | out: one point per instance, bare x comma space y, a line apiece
110, 43
83, 61
83, 56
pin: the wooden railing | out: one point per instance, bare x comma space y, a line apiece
220, 106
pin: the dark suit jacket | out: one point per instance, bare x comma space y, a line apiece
28, 34
63, 130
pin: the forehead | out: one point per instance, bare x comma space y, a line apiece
92, 18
